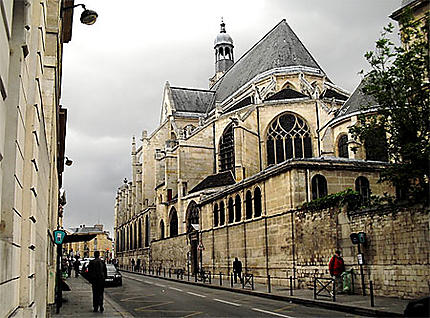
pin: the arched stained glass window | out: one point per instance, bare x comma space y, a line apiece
319, 187
173, 223
192, 216
216, 219
221, 213
342, 146
161, 229
248, 205
230, 211
257, 202
288, 137
237, 208
226, 150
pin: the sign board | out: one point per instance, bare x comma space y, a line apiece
59, 236
360, 259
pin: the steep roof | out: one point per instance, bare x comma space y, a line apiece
191, 100
214, 181
279, 48
356, 101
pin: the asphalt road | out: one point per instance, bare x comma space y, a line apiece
143, 296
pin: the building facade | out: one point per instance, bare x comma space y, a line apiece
228, 169
32, 140
101, 242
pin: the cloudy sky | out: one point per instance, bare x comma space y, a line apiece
114, 72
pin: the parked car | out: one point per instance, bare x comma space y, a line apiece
113, 277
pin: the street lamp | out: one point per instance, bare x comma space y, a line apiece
88, 17
68, 162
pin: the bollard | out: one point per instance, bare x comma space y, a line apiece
291, 285
315, 288
269, 288
164, 272
210, 278
170, 273
188, 275
220, 278
252, 282
231, 280
195, 277
372, 299
334, 289
243, 282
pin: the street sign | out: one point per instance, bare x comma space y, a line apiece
360, 259
59, 236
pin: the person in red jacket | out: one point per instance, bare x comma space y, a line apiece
336, 267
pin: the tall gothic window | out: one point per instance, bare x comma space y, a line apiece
342, 146
230, 211
147, 230
319, 187
192, 216
362, 186
216, 214
238, 208
257, 202
139, 236
288, 137
248, 205
221, 213
226, 150
161, 229
173, 223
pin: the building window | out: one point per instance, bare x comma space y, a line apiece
226, 150
230, 211
221, 213
161, 229
184, 189
192, 216
376, 145
238, 208
147, 230
139, 238
173, 224
216, 215
362, 186
319, 187
169, 195
288, 137
342, 146
257, 202
248, 205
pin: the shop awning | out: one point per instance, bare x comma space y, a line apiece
70, 238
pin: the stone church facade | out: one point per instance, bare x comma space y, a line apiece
228, 169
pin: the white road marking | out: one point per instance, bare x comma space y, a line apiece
203, 296
150, 283
159, 285
271, 313
227, 302
175, 288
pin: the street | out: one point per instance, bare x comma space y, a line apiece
143, 296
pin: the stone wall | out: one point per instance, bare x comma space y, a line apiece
301, 243
170, 252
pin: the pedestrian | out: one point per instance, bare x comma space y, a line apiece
76, 265
132, 264
237, 269
69, 267
96, 273
336, 267
138, 265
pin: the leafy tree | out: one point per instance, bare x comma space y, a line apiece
398, 81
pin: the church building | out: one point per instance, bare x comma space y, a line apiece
226, 172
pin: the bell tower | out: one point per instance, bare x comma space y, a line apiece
224, 58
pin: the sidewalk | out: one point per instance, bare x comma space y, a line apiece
356, 304
78, 302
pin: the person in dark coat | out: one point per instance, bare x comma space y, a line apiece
336, 267
97, 272
237, 269
76, 265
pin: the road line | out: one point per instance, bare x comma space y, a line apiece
227, 302
271, 313
177, 289
159, 285
203, 296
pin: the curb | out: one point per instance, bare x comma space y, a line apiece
359, 310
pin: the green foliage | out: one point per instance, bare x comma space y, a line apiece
348, 197
399, 83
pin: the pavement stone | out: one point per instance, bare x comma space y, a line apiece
78, 302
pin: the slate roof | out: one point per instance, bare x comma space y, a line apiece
213, 181
286, 93
192, 100
356, 101
330, 93
279, 48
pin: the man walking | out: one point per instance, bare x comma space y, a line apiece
97, 272
76, 265
237, 269
336, 267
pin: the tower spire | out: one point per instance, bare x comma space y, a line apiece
224, 59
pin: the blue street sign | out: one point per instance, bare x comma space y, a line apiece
59, 236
